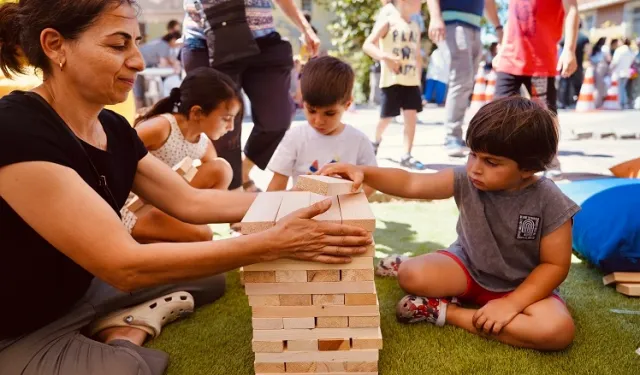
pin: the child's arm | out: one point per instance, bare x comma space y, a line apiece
555, 260
395, 181
154, 132
371, 48
210, 154
278, 182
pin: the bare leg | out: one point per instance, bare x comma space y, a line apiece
214, 174
432, 275
410, 120
133, 335
382, 126
545, 325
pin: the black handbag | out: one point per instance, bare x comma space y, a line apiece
229, 37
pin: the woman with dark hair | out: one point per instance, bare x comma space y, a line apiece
83, 294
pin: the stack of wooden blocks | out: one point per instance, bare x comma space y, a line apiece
310, 317
627, 283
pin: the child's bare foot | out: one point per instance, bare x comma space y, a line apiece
389, 266
414, 309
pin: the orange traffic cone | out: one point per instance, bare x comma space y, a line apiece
491, 86
611, 101
586, 101
478, 98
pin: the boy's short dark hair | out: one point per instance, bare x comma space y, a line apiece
326, 81
516, 128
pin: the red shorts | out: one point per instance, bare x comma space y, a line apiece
475, 293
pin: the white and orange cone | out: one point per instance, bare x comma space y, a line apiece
586, 100
478, 99
612, 101
491, 86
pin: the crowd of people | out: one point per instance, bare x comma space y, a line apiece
90, 282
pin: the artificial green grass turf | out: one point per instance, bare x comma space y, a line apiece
217, 339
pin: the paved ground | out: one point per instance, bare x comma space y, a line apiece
591, 142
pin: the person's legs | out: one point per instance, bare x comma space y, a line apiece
389, 109
507, 85
213, 174
622, 92
410, 120
411, 103
461, 44
432, 275
545, 325
194, 57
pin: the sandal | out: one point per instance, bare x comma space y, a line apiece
150, 316
250, 187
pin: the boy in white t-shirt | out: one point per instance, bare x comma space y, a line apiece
326, 85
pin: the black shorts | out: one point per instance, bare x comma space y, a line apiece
397, 97
542, 89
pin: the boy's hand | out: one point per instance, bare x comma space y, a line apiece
348, 171
495, 315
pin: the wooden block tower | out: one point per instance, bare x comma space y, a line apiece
310, 317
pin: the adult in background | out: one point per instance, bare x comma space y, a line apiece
620, 66
249, 50
600, 63
157, 54
529, 52
570, 86
457, 23
84, 295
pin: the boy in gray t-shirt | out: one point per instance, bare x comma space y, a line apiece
514, 232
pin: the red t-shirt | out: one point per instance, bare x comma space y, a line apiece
530, 44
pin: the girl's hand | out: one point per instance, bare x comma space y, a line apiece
348, 171
298, 236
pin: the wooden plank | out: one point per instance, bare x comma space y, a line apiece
268, 368
621, 277
357, 275
332, 215
276, 346
302, 345
356, 211
304, 311
362, 366
288, 276
299, 323
328, 373
357, 263
364, 321
269, 300
373, 342
300, 367
324, 185
332, 322
262, 214
183, 166
267, 323
295, 300
316, 367
632, 290
331, 367
293, 201
190, 174
316, 333
318, 356
334, 344
360, 299
359, 287
328, 299
323, 276
259, 277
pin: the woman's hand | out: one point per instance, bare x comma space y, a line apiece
348, 171
312, 42
298, 236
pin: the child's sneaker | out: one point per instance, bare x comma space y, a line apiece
414, 309
376, 146
389, 266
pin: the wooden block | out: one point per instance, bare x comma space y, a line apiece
331, 367
267, 323
328, 299
332, 322
362, 366
311, 334
323, 276
276, 346
241, 275
293, 201
373, 342
291, 276
632, 290
318, 310
364, 321
334, 344
262, 214
621, 277
269, 300
190, 174
357, 263
324, 185
299, 323
318, 356
332, 215
360, 299
295, 300
268, 368
356, 211
135, 204
302, 345
359, 287
259, 277
300, 367
357, 275
183, 166
328, 373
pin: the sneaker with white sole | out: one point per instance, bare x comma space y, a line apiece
389, 266
415, 309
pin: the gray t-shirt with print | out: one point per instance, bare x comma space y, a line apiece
499, 232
